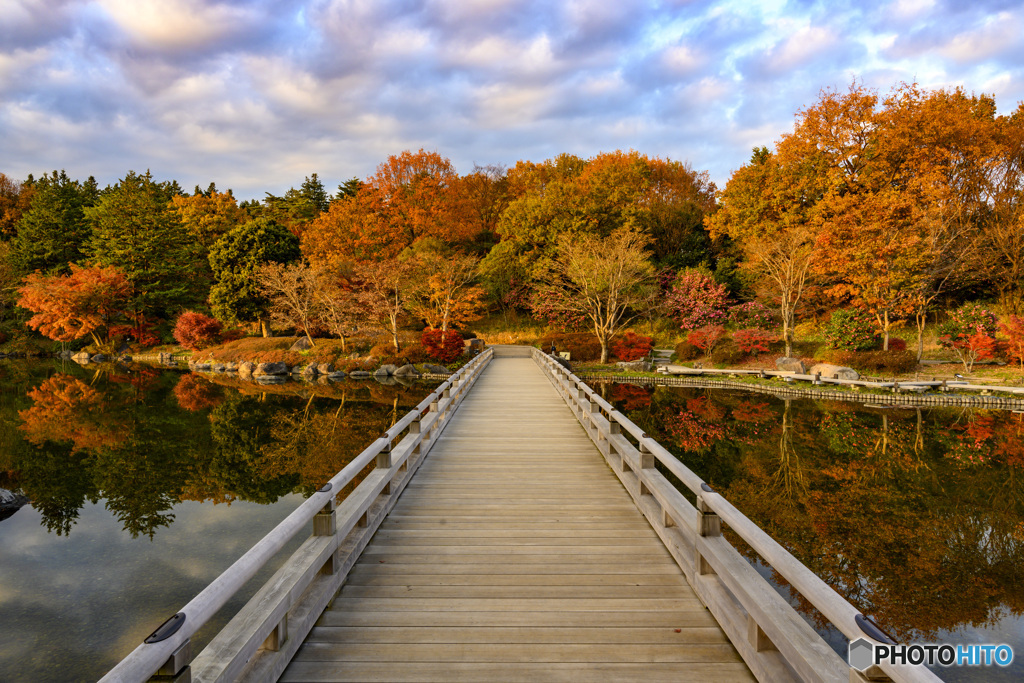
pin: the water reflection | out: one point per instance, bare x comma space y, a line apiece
125, 438
916, 516
144, 486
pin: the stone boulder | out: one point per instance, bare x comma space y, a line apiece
231, 367
408, 370
359, 374
10, 503
271, 369
436, 369
301, 344
385, 370
219, 367
98, 358
325, 368
791, 365
635, 365
66, 353
834, 371
336, 374
245, 369
310, 372
81, 357
271, 379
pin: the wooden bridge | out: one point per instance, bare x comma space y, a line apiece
515, 551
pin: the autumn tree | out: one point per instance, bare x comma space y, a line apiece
292, 292
235, 260
337, 302
135, 229
608, 280
208, 216
665, 199
1001, 228
413, 195
381, 290
54, 231
15, 200
69, 307
443, 288
766, 210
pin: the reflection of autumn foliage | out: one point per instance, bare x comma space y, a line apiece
752, 412
630, 397
969, 443
194, 393
699, 426
66, 409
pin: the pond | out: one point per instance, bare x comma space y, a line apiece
145, 484
915, 516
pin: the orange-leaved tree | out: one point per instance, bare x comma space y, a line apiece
767, 211
444, 292
69, 307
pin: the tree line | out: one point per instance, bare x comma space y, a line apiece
897, 206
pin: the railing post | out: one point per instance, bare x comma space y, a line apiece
176, 669
646, 463
708, 524
384, 463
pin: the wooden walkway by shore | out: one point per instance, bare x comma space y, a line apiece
516, 554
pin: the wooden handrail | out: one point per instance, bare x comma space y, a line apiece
771, 637
277, 618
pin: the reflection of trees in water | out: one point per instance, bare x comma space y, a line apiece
789, 478
147, 441
876, 503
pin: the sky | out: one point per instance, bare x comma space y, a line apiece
256, 95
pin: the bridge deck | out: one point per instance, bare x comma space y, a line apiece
515, 554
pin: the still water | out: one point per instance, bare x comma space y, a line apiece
915, 516
144, 486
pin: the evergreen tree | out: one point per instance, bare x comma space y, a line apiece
235, 260
136, 229
54, 232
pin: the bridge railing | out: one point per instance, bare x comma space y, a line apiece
261, 639
773, 639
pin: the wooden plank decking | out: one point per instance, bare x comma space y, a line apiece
515, 554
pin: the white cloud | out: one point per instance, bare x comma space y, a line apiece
175, 24
998, 34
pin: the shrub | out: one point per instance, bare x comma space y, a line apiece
632, 346
696, 300
754, 340
751, 314
893, 362
686, 351
382, 350
444, 346
1013, 328
897, 344
706, 338
727, 353
415, 353
850, 330
582, 346
970, 348
965, 321
196, 331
